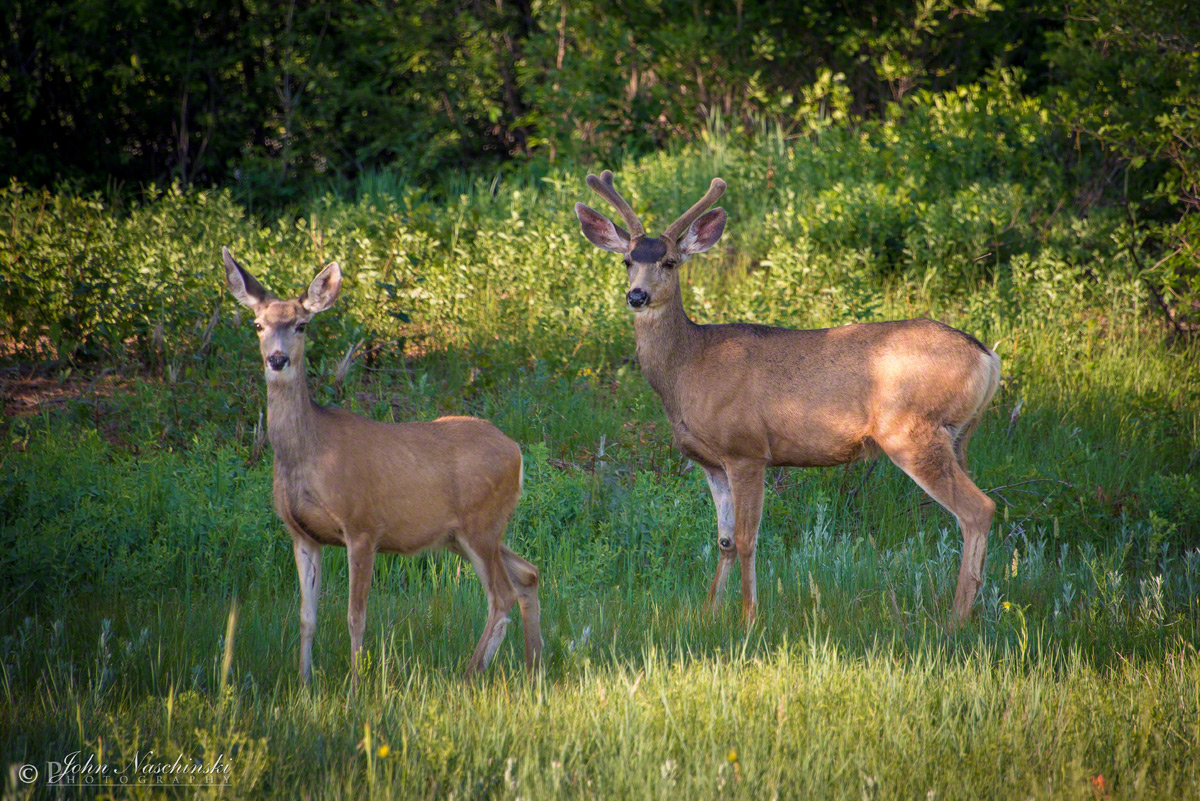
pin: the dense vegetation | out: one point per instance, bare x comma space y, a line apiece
1022, 172
208, 91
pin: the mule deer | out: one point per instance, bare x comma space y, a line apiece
370, 486
741, 397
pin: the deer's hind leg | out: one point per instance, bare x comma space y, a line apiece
524, 578
929, 456
484, 555
961, 440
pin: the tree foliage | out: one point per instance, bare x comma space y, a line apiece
1128, 90
265, 93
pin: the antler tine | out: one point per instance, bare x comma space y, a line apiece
715, 190
603, 186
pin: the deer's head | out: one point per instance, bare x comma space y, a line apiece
280, 323
652, 262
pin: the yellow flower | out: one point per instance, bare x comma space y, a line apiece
733, 755
1006, 606
383, 751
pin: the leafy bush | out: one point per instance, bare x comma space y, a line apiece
1175, 500
936, 200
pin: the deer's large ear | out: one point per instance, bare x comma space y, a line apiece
323, 290
601, 231
241, 283
703, 233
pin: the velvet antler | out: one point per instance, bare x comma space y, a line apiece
715, 190
603, 186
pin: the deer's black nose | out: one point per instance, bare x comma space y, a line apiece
278, 361
637, 298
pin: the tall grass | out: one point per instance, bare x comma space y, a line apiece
642, 697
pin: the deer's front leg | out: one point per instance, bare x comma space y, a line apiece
718, 485
308, 568
361, 556
746, 482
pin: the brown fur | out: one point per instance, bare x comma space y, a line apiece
372, 487
741, 397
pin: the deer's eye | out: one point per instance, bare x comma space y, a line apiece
300, 328
668, 264
628, 262
258, 326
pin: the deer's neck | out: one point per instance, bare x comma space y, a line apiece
666, 338
291, 419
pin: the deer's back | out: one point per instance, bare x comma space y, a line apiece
821, 396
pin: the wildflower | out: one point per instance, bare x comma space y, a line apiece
383, 751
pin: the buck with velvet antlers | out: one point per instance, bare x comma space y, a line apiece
741, 397
370, 486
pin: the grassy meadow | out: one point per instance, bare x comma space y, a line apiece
149, 595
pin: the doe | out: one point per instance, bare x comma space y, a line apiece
371, 487
741, 397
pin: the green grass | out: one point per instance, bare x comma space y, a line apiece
1081, 661
641, 697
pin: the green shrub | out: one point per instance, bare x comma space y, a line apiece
937, 200
1174, 500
